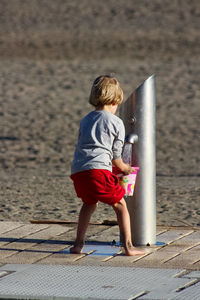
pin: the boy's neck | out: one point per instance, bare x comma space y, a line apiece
110, 108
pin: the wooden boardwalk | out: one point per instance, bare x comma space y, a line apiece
26, 243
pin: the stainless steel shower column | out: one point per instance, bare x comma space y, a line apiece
138, 114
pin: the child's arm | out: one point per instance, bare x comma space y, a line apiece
125, 168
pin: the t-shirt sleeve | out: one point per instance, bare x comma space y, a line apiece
118, 141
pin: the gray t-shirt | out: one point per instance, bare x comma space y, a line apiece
101, 139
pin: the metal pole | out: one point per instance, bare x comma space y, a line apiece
138, 114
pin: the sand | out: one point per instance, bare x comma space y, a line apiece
50, 52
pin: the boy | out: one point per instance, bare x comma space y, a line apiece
100, 143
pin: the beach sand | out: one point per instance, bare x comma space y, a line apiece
50, 53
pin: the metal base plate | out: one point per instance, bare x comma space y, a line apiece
90, 282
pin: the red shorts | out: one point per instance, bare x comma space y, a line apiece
97, 185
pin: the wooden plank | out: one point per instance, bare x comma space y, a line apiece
4, 254
196, 265
173, 235
6, 226
61, 259
17, 246
160, 230
157, 257
184, 260
56, 221
121, 261
92, 261
95, 230
47, 247
20, 233
49, 232
107, 235
23, 231
191, 239
25, 257
91, 232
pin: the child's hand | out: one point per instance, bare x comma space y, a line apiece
125, 168
128, 169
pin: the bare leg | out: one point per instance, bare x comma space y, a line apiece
123, 219
84, 219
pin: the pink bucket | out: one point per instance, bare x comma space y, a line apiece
127, 181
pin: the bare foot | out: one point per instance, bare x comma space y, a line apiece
77, 248
131, 251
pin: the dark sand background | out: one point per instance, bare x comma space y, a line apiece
50, 52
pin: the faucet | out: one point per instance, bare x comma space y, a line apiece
131, 138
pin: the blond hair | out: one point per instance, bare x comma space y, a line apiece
105, 91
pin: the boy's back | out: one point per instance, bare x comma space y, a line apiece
101, 138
